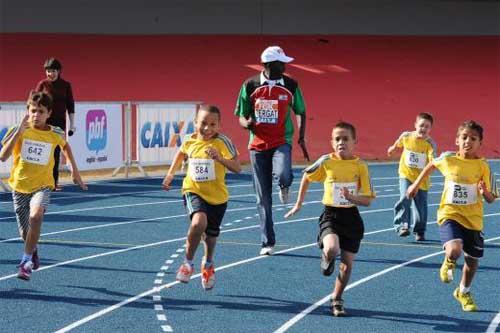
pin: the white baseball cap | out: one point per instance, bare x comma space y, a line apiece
274, 53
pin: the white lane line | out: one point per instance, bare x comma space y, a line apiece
492, 328
132, 222
166, 202
168, 285
325, 299
166, 328
183, 239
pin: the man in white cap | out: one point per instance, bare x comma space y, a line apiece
263, 108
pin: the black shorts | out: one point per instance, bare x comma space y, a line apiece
346, 223
472, 240
215, 213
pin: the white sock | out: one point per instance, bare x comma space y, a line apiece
464, 289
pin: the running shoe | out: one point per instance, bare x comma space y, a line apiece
327, 267
35, 259
25, 270
207, 276
337, 306
267, 251
466, 300
184, 273
446, 270
284, 195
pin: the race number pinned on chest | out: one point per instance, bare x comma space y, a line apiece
36, 152
415, 160
338, 197
201, 170
461, 194
266, 111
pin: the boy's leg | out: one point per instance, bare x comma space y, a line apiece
35, 221
331, 248
39, 202
21, 203
345, 269
452, 236
402, 209
261, 162
469, 270
420, 213
282, 170
196, 230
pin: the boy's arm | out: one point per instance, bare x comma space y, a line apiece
304, 185
393, 148
77, 179
360, 200
176, 165
232, 164
413, 188
9, 145
487, 195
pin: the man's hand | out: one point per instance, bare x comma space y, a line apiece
248, 124
166, 182
294, 210
78, 180
302, 144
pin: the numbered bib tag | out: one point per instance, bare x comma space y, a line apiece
338, 198
201, 170
36, 152
266, 111
415, 160
461, 194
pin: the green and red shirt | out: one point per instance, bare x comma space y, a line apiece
269, 102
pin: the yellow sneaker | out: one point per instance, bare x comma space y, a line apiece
466, 300
446, 270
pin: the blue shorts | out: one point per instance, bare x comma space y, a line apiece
215, 213
472, 240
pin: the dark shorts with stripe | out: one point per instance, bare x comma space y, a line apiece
346, 223
215, 213
472, 240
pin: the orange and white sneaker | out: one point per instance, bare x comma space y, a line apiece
184, 273
207, 276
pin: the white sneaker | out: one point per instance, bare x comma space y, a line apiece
184, 273
284, 197
267, 251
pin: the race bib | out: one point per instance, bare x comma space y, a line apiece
266, 111
201, 170
338, 198
415, 160
461, 194
36, 152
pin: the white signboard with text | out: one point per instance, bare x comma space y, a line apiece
160, 130
10, 115
97, 142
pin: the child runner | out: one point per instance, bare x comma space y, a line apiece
468, 179
32, 143
418, 150
208, 154
346, 184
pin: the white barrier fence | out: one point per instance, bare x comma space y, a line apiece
104, 137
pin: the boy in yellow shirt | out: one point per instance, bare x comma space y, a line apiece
32, 144
418, 150
468, 180
346, 184
208, 153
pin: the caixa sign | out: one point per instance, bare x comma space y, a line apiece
167, 134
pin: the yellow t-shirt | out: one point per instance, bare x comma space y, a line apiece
336, 174
417, 153
461, 200
33, 158
205, 176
